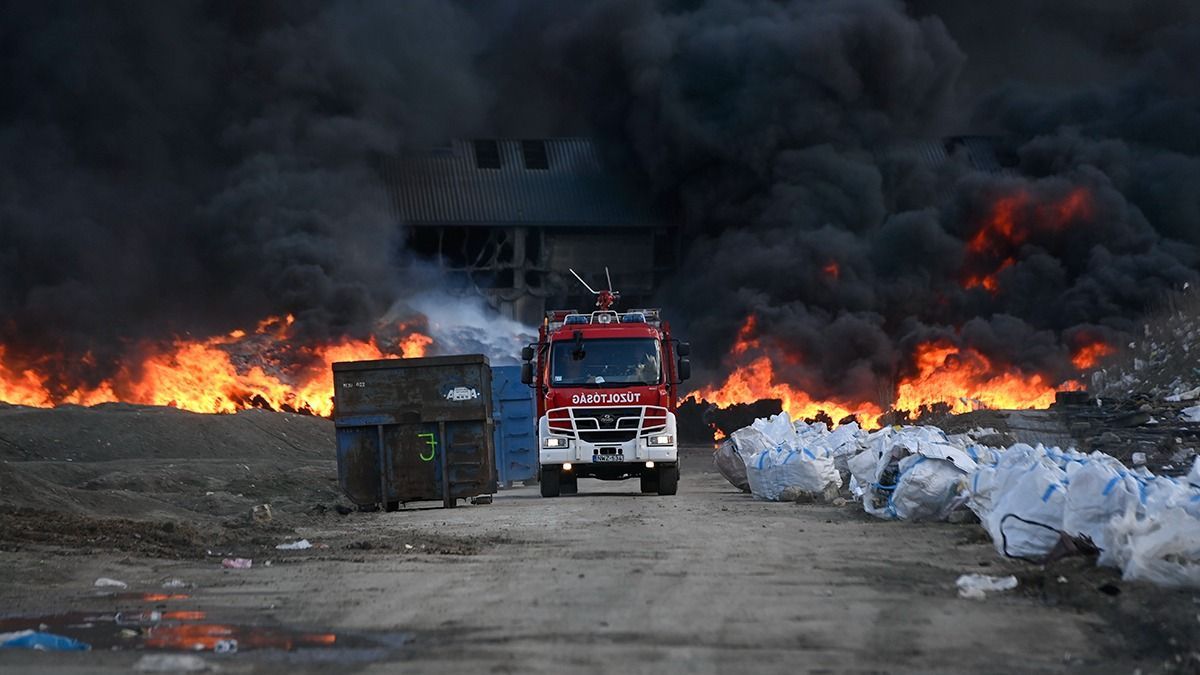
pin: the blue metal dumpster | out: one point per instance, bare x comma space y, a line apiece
414, 429
516, 440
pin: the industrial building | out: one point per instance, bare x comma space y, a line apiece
507, 218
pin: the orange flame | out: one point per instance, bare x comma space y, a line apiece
832, 270
213, 376
960, 378
1007, 226
1087, 356
757, 381
966, 380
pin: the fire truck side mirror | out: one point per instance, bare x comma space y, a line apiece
527, 353
527, 372
685, 369
684, 349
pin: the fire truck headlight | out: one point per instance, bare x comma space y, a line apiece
660, 440
556, 442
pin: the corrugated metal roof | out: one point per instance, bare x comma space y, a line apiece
444, 187
980, 152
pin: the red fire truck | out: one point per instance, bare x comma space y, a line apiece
606, 385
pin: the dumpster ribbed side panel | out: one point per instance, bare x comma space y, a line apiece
516, 437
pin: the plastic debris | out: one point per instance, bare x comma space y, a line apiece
170, 663
105, 582
977, 586
226, 646
261, 513
1037, 503
237, 563
40, 641
175, 583
788, 464
295, 545
731, 465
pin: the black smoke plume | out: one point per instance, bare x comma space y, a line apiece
191, 167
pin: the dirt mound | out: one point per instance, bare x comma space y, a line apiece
155, 480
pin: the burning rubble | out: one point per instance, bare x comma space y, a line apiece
263, 368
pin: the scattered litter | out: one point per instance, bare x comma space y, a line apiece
408, 547
1191, 414
175, 583
237, 563
105, 582
295, 545
1163, 547
261, 513
170, 663
977, 586
40, 641
226, 646
1138, 459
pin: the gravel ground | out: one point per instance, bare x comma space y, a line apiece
604, 581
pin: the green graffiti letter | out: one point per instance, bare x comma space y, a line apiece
432, 443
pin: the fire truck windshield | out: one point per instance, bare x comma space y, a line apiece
610, 362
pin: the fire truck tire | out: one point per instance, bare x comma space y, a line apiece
550, 484
668, 480
650, 482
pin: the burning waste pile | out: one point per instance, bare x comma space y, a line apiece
1036, 503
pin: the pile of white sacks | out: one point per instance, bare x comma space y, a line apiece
1026, 497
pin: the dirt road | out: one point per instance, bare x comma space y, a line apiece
604, 581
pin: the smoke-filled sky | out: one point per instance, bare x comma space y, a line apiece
197, 166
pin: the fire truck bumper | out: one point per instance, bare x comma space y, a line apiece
658, 447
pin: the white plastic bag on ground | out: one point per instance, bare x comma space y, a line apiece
842, 443
770, 472
730, 464
1162, 548
977, 586
916, 474
1098, 491
928, 489
778, 428
749, 441
1021, 502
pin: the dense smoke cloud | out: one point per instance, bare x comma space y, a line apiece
194, 167
779, 131
197, 166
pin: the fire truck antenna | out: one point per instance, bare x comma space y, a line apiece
585, 284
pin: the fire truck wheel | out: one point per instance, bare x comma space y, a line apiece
550, 485
668, 480
650, 482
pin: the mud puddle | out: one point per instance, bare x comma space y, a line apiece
164, 622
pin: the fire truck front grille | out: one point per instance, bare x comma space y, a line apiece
608, 425
607, 436
608, 418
